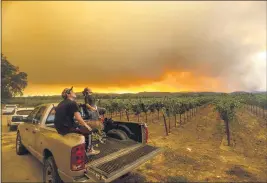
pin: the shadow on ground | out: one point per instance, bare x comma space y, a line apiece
240, 172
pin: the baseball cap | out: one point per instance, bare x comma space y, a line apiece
87, 90
65, 92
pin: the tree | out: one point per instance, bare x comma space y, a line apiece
13, 81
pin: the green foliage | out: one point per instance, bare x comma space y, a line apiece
226, 106
168, 107
145, 106
13, 81
159, 105
136, 108
152, 107
127, 105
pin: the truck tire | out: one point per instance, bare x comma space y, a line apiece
117, 134
50, 173
20, 148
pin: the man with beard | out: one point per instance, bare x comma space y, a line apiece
64, 119
93, 114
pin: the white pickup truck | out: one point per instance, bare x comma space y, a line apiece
17, 117
64, 158
9, 109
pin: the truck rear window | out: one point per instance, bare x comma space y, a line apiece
24, 112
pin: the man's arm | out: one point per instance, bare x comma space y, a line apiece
90, 107
81, 121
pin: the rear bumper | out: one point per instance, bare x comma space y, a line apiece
67, 178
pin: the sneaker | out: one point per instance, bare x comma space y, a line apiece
92, 152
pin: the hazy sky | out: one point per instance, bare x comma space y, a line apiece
137, 46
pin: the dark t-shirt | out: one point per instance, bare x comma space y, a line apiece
89, 99
64, 117
92, 115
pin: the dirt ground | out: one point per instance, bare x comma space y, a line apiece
17, 168
194, 151
197, 151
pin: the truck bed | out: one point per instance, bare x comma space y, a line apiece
116, 158
111, 146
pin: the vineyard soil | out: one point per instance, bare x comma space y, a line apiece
196, 151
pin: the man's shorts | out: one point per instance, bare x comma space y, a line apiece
80, 130
96, 124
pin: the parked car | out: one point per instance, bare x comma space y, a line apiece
9, 109
18, 116
64, 158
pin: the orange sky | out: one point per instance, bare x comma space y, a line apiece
169, 84
136, 46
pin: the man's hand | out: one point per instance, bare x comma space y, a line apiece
94, 109
88, 127
90, 107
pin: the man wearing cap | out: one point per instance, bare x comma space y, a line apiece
93, 114
64, 119
90, 104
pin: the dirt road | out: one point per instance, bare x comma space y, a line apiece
17, 168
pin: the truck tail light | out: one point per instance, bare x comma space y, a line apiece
78, 157
146, 132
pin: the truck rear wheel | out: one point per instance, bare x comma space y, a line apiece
117, 134
20, 148
50, 174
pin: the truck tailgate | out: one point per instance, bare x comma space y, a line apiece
117, 166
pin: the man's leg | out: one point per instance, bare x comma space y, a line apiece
88, 139
97, 124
